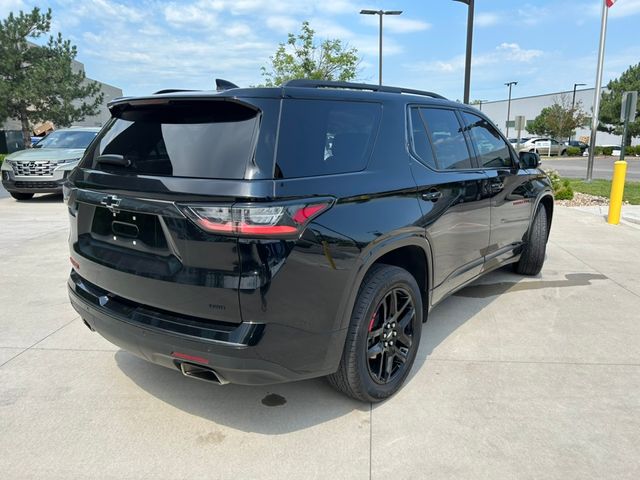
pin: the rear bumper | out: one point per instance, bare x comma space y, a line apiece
245, 353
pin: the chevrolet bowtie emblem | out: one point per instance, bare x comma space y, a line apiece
112, 202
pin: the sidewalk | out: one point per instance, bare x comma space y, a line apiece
630, 213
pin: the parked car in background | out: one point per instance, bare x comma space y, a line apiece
43, 168
543, 146
576, 143
514, 141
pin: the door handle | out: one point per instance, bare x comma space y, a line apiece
497, 187
432, 195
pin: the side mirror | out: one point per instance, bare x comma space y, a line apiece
529, 160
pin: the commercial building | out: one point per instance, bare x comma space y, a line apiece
10, 131
531, 107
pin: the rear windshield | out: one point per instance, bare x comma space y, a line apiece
213, 139
320, 137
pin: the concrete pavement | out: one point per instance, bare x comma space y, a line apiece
630, 213
602, 167
515, 378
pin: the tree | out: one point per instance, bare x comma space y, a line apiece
611, 104
300, 57
38, 83
559, 120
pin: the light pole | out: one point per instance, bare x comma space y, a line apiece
509, 84
480, 102
573, 99
467, 63
381, 13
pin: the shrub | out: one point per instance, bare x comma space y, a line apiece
597, 151
565, 193
574, 151
608, 151
561, 188
554, 177
2, 155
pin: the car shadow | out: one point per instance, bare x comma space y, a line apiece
284, 408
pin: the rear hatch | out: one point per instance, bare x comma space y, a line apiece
134, 200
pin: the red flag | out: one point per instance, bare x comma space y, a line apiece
610, 3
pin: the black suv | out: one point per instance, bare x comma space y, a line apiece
265, 235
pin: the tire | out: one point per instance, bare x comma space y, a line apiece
21, 196
360, 375
563, 153
532, 257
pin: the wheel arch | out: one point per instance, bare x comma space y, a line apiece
547, 202
411, 252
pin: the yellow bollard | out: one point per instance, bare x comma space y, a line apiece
617, 190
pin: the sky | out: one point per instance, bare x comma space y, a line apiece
546, 45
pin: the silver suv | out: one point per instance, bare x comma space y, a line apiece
43, 168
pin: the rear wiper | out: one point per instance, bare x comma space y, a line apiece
114, 159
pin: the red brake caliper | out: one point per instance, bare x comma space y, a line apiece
371, 322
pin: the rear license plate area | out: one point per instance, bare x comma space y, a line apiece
128, 228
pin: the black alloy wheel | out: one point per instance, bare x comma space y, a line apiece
383, 336
390, 336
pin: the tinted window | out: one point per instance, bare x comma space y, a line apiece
323, 138
67, 139
420, 139
447, 139
184, 139
492, 149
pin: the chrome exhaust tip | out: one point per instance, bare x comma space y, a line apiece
200, 372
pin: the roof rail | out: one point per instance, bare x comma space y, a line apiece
173, 90
358, 86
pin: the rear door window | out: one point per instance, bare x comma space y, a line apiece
447, 138
420, 139
213, 139
320, 137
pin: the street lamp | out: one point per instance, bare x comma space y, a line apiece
467, 66
509, 84
480, 102
381, 13
573, 100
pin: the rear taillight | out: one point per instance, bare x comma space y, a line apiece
251, 219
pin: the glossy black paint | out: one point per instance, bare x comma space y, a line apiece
294, 297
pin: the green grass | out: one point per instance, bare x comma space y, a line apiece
2, 155
602, 188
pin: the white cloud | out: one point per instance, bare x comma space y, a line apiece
396, 23
7, 6
487, 19
513, 52
282, 24
238, 30
196, 15
289, 7
330, 29
105, 10
505, 52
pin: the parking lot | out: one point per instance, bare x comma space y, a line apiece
515, 378
602, 167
